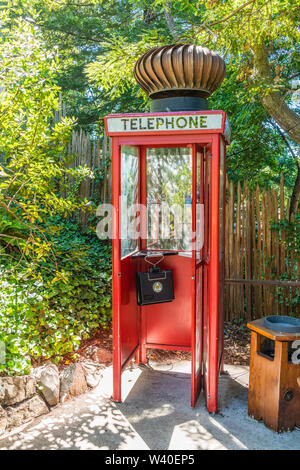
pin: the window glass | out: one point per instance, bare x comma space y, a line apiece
129, 197
169, 198
221, 207
207, 164
199, 205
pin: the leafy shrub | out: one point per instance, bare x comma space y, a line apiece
42, 316
55, 281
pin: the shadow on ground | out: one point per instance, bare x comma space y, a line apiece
156, 414
91, 425
158, 407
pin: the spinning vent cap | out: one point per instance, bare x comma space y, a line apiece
179, 70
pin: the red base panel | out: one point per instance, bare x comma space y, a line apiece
170, 347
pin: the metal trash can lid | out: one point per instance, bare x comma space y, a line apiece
282, 323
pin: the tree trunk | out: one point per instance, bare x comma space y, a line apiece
170, 21
149, 13
276, 107
272, 101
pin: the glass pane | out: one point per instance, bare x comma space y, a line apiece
169, 198
129, 197
221, 207
207, 163
199, 205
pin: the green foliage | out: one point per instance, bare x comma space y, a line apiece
288, 233
106, 38
42, 317
32, 146
291, 232
55, 285
257, 153
79, 32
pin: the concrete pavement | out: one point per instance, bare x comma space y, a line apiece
155, 414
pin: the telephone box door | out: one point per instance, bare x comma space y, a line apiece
213, 321
125, 308
198, 240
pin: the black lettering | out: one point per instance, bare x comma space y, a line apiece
203, 122
133, 124
140, 124
159, 122
184, 123
150, 123
124, 123
170, 122
193, 122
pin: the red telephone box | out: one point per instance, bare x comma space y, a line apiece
176, 158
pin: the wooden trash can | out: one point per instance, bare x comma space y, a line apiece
274, 385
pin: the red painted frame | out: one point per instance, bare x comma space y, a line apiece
211, 138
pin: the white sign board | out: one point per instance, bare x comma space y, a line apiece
164, 123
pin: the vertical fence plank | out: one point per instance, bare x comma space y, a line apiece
239, 289
248, 250
227, 259
257, 251
256, 306
231, 245
283, 310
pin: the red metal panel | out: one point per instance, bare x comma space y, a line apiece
198, 279
206, 253
125, 310
170, 323
116, 271
222, 273
213, 280
164, 113
142, 353
168, 347
166, 140
129, 321
183, 133
224, 240
195, 376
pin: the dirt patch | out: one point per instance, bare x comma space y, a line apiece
163, 355
236, 347
236, 344
98, 348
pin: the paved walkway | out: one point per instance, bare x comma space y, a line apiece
155, 415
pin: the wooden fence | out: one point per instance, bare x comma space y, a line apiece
252, 250
96, 155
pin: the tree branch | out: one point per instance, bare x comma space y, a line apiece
296, 190
277, 128
272, 101
222, 20
57, 30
